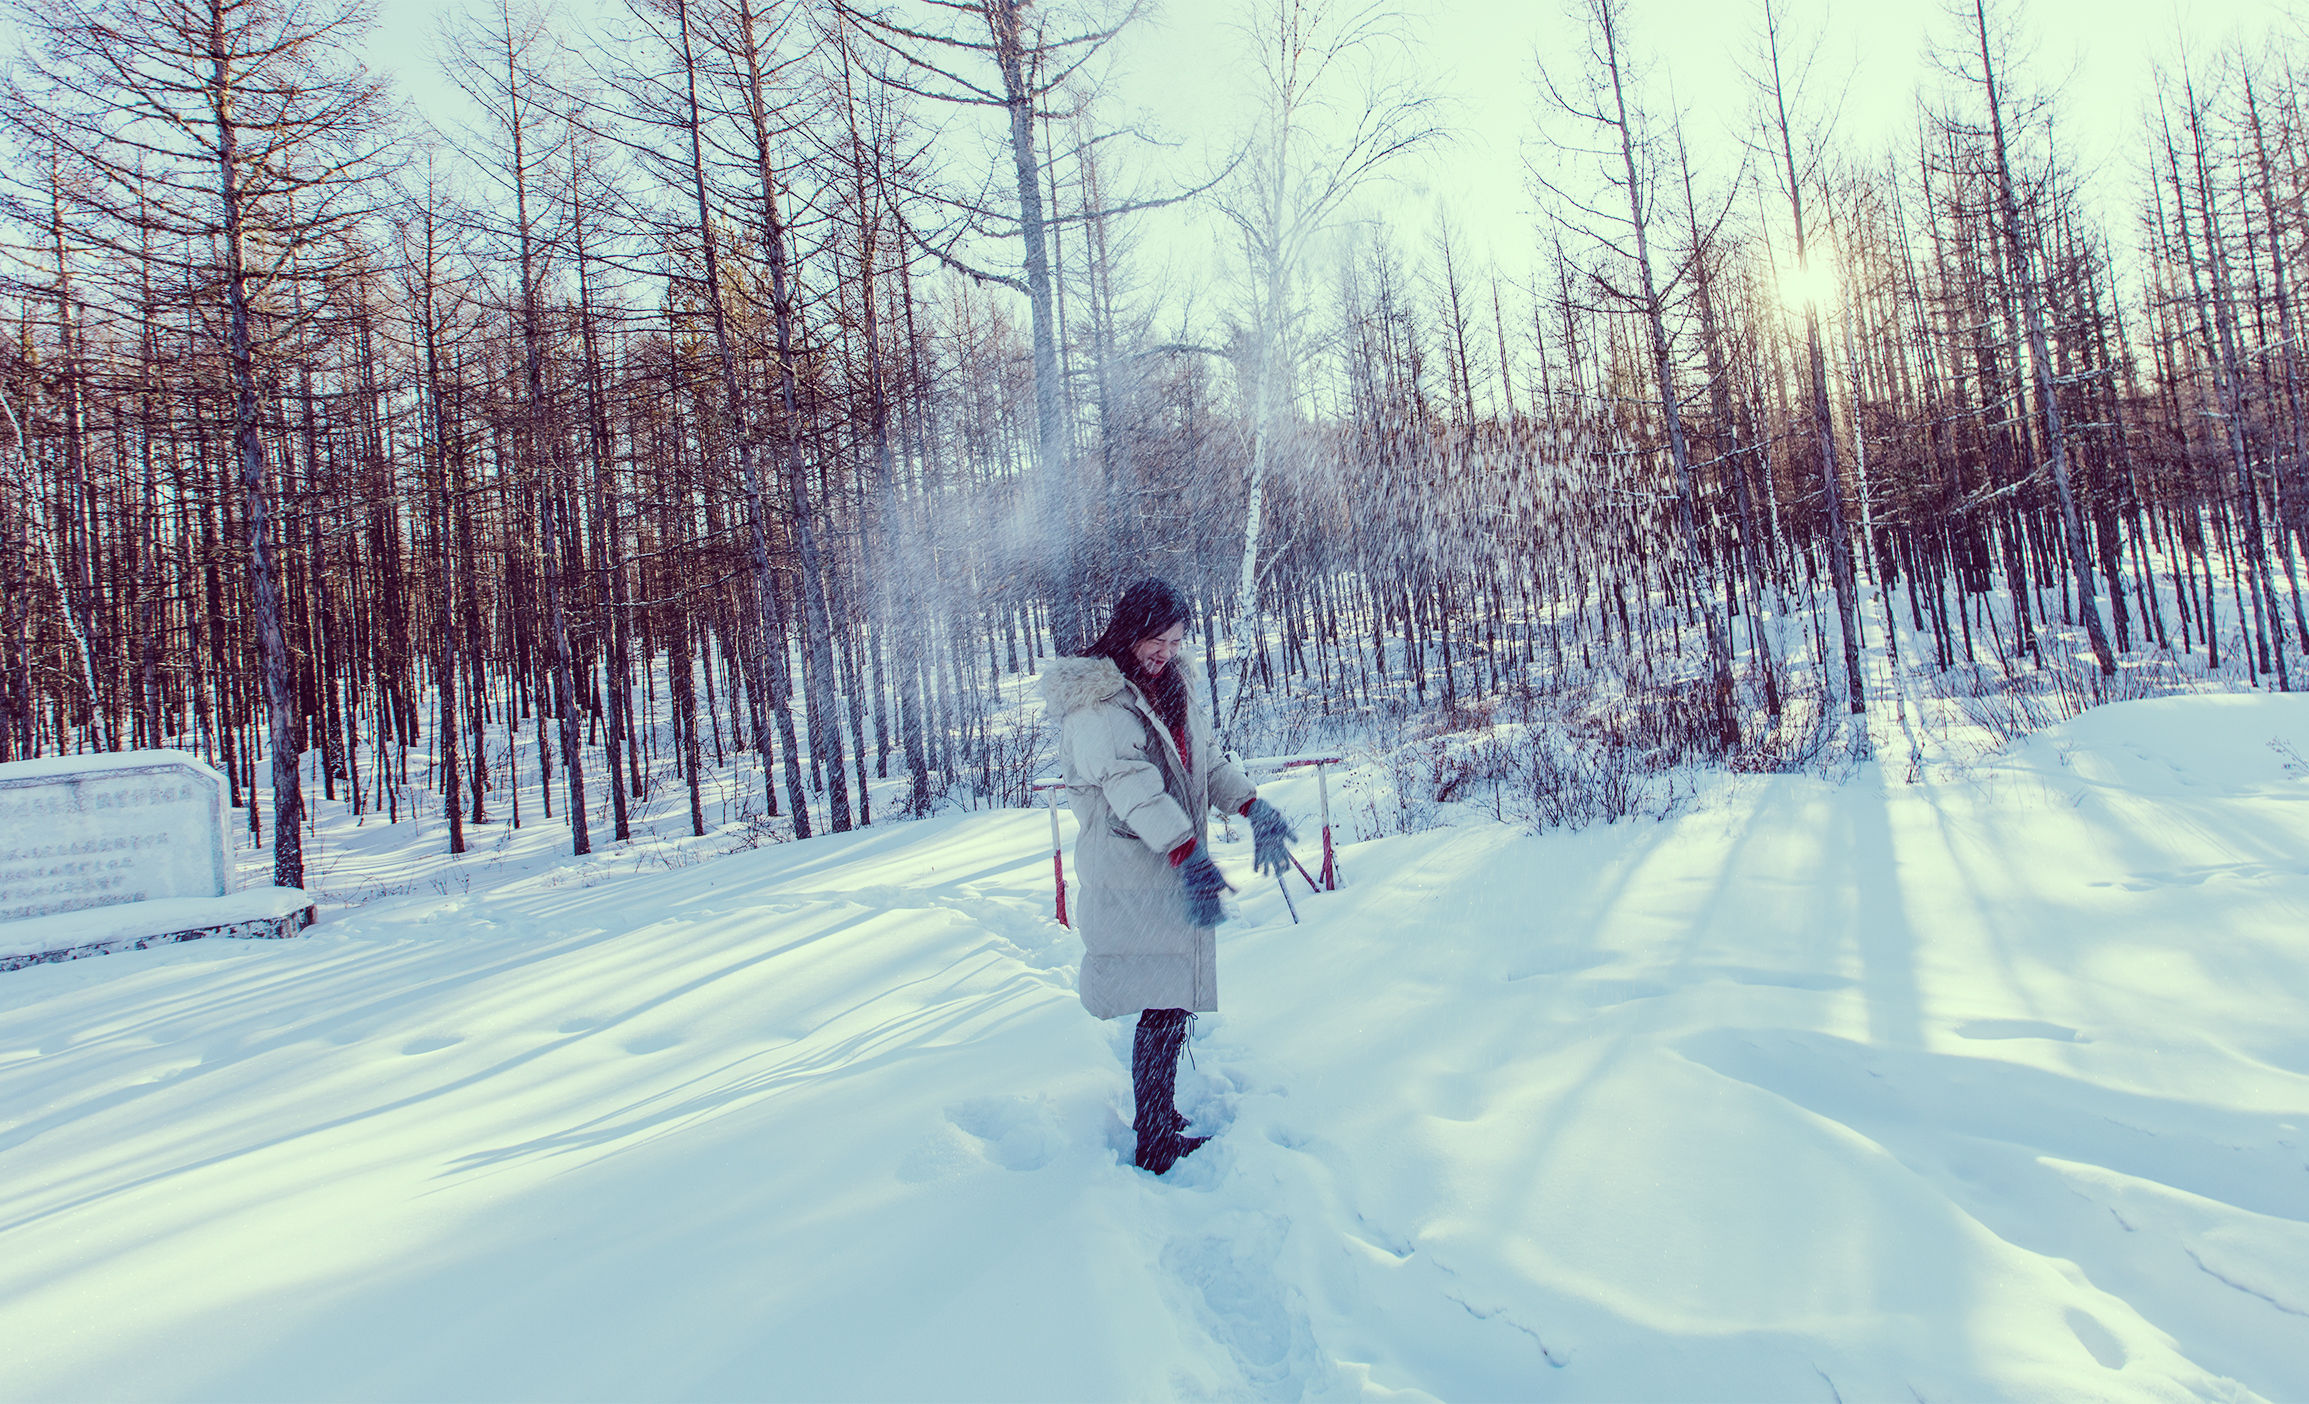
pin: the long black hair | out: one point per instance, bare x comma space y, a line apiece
1145, 610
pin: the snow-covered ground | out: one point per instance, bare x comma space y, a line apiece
1990, 1086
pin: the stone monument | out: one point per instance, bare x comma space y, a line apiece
122, 851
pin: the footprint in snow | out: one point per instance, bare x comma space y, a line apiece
2018, 1028
1261, 1320
1554, 962
1016, 1133
1786, 979
1608, 994
2098, 1340
2198, 876
1456, 1096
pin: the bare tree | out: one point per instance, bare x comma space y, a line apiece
23, 482
1607, 109
1337, 104
242, 125
1781, 130
942, 57
2021, 253
497, 58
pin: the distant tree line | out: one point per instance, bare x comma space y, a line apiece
703, 395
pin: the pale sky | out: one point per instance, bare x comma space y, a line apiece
1484, 55
1183, 67
1182, 64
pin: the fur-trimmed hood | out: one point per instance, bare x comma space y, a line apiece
1071, 684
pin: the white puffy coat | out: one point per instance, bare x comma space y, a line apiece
1135, 799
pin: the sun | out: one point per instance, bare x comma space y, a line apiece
1811, 287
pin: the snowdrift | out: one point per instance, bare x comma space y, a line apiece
1988, 1087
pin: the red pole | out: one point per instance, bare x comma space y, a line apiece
1312, 885
1330, 861
1058, 858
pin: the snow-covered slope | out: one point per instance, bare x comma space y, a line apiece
1986, 1088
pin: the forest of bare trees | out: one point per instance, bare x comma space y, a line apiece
782, 378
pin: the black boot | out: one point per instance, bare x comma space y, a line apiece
1154, 1073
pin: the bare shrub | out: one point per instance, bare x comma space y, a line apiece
1798, 742
1577, 781
755, 826
2289, 758
1551, 760
2008, 706
1009, 753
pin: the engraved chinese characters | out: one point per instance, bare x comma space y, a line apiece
90, 831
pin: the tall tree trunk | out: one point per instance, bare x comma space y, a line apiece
1063, 507
1663, 369
818, 671
1816, 365
249, 453
2040, 356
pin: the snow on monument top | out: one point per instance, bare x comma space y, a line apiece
81, 832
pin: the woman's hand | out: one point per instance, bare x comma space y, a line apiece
1269, 833
1203, 883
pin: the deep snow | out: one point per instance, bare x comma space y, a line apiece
1992, 1086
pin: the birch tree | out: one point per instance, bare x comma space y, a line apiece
1338, 103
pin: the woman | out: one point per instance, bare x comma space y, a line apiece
1142, 775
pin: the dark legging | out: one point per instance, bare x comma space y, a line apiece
1154, 1069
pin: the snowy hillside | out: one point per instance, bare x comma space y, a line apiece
1994, 1086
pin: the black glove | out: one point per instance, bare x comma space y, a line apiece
1269, 832
1203, 883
